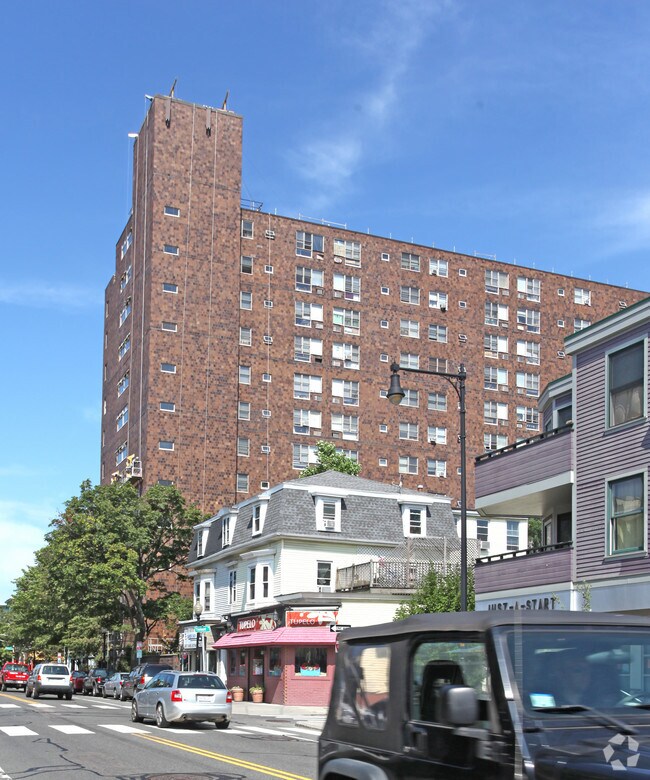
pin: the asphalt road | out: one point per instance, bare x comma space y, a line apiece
90, 739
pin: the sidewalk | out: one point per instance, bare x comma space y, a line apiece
308, 717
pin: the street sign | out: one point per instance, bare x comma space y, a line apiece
202, 629
138, 654
9, 649
336, 627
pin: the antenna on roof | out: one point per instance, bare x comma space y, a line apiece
171, 91
224, 105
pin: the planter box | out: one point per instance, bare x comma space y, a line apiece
310, 672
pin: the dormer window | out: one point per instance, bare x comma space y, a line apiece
414, 520
200, 543
259, 515
328, 514
226, 531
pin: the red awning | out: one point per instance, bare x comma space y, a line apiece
317, 635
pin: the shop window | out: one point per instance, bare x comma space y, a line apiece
311, 661
275, 662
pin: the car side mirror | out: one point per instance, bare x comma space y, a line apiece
458, 705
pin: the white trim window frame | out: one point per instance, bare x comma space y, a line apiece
627, 513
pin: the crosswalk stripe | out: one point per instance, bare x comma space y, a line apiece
69, 729
123, 729
104, 707
75, 706
18, 731
9, 706
277, 732
300, 730
40, 706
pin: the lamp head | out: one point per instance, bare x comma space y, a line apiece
395, 392
198, 608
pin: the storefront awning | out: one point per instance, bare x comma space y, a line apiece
318, 635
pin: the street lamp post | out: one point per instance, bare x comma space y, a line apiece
198, 609
457, 381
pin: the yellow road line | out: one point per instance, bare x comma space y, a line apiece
267, 770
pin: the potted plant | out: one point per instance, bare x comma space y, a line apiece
237, 693
257, 693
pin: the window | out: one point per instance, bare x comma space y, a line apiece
626, 515
170, 249
304, 348
528, 319
626, 382
385, 256
382, 462
348, 320
582, 296
246, 337
324, 576
348, 287
311, 660
411, 398
346, 425
512, 534
528, 383
385, 290
436, 468
408, 465
242, 483
495, 313
580, 324
126, 244
243, 410
244, 375
305, 384
268, 269
251, 583
168, 287
409, 328
267, 339
125, 311
414, 521
438, 333
125, 278
120, 453
328, 513
437, 402
409, 430
493, 346
410, 262
529, 352
409, 294
352, 454
207, 596
436, 434
494, 441
383, 428
383, 323
528, 418
168, 368
496, 282
167, 406
438, 300
172, 211
232, 583
307, 278
307, 243
122, 418
438, 364
347, 355
268, 304
243, 446
482, 529
409, 360
266, 377
495, 413
347, 390
560, 323
528, 288
245, 300
350, 250
123, 384
124, 347
266, 577
247, 228
308, 314
438, 267
306, 421
166, 445
303, 455
246, 264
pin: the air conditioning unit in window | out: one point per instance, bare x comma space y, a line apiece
338, 259
433, 272
336, 434
329, 525
270, 234
318, 325
484, 546
319, 290
325, 589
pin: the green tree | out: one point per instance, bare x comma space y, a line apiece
438, 592
331, 460
112, 559
534, 533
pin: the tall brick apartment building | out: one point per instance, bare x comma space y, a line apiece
236, 339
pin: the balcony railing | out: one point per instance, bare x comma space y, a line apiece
529, 551
391, 575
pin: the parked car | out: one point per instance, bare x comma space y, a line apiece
138, 677
94, 682
49, 678
113, 685
13, 675
176, 697
78, 678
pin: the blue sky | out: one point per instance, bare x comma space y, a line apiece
513, 128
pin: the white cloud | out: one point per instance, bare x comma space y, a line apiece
43, 295
22, 530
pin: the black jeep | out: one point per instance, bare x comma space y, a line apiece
491, 695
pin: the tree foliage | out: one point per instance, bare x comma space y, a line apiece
110, 561
438, 592
331, 460
534, 532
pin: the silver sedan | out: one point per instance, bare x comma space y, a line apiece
175, 697
113, 685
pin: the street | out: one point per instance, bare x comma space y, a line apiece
95, 738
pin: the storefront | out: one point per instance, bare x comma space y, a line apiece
292, 659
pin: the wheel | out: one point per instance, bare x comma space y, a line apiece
84, 691
222, 724
36, 693
134, 712
28, 693
59, 696
4, 686
103, 693
161, 720
116, 695
122, 696
68, 696
95, 691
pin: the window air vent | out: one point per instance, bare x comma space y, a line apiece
561, 353
270, 234
462, 338
265, 448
